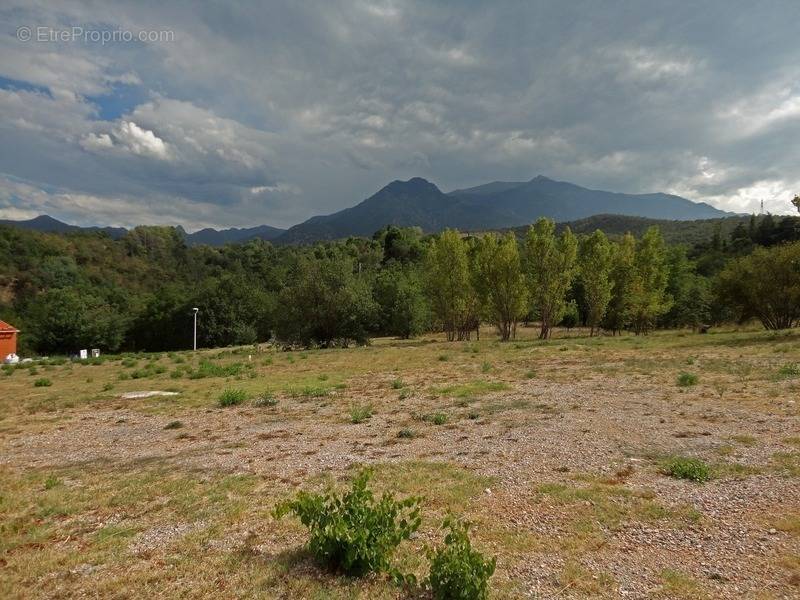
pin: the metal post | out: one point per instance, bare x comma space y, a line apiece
194, 337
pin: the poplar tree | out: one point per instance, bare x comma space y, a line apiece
499, 282
595, 262
648, 297
449, 286
622, 270
549, 269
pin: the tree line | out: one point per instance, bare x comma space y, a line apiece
80, 290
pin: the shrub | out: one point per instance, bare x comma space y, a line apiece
42, 382
232, 397
266, 400
687, 379
359, 414
354, 532
398, 384
692, 469
457, 570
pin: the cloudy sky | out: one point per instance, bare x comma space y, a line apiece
238, 114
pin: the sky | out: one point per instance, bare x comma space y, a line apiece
239, 114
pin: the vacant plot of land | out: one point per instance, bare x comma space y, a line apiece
567, 455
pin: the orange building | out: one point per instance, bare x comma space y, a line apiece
8, 340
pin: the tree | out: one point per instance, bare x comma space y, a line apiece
691, 294
595, 262
648, 297
796, 202
325, 304
499, 283
764, 285
622, 271
449, 287
549, 269
403, 307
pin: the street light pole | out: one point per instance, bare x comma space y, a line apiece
194, 337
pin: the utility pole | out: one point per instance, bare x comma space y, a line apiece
194, 337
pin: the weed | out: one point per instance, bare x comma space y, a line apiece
692, 469
173, 425
687, 379
406, 433
232, 397
359, 414
42, 382
789, 370
398, 384
266, 400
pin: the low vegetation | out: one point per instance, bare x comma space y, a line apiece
692, 469
457, 570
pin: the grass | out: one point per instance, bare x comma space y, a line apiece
232, 397
687, 380
692, 469
470, 390
360, 413
42, 382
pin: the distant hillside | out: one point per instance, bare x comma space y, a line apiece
674, 232
211, 237
47, 224
500, 204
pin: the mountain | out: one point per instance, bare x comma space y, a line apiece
220, 237
47, 224
500, 204
211, 237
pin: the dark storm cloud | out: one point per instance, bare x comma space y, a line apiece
273, 112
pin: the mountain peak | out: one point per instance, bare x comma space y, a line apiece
540, 178
413, 185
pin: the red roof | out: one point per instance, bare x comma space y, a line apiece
6, 327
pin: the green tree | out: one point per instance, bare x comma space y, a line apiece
764, 285
326, 303
648, 297
499, 282
622, 272
595, 262
549, 269
404, 310
449, 287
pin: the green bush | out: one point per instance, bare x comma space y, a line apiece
692, 469
42, 382
438, 418
354, 532
457, 570
359, 414
398, 384
687, 379
232, 397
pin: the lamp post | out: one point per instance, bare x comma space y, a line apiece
194, 337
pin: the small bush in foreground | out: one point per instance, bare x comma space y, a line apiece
692, 469
354, 532
457, 570
789, 370
359, 414
687, 379
232, 397
42, 382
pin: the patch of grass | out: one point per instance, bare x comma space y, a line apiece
744, 439
232, 397
206, 368
692, 469
360, 413
443, 358
787, 463
406, 434
486, 367
687, 380
309, 391
468, 390
789, 371
42, 382
677, 584
398, 384
437, 418
173, 425
266, 400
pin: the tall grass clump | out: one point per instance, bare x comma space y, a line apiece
692, 469
232, 397
687, 379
